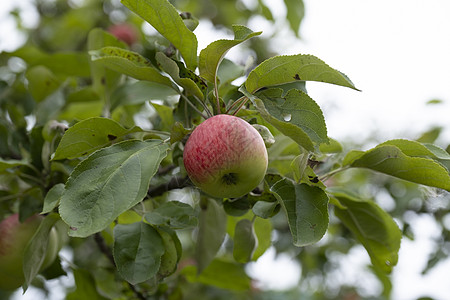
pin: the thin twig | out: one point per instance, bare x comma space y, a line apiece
104, 248
193, 106
205, 107
332, 173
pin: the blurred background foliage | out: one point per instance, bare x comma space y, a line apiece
59, 92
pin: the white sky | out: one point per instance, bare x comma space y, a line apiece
398, 54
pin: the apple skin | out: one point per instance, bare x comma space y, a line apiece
225, 157
14, 237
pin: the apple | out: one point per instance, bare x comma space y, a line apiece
225, 157
124, 32
14, 237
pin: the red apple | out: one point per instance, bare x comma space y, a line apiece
14, 237
124, 32
225, 157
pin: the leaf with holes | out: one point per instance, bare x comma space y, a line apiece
109, 182
289, 68
89, 135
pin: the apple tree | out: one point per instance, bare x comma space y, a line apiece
98, 109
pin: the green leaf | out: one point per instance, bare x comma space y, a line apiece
265, 11
41, 82
67, 63
193, 84
90, 135
165, 117
299, 165
213, 54
306, 208
228, 71
264, 209
437, 152
174, 214
295, 115
332, 147
86, 286
141, 92
430, 135
10, 163
211, 232
137, 251
36, 249
265, 133
295, 13
50, 107
178, 132
289, 68
51, 200
222, 274
129, 63
373, 227
390, 160
263, 230
107, 183
245, 241
416, 149
166, 20
104, 80
172, 252
82, 110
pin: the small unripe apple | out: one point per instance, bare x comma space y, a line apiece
225, 157
14, 237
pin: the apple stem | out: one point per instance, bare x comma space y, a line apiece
240, 106
195, 108
216, 90
234, 104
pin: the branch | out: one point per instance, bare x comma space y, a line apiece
172, 184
